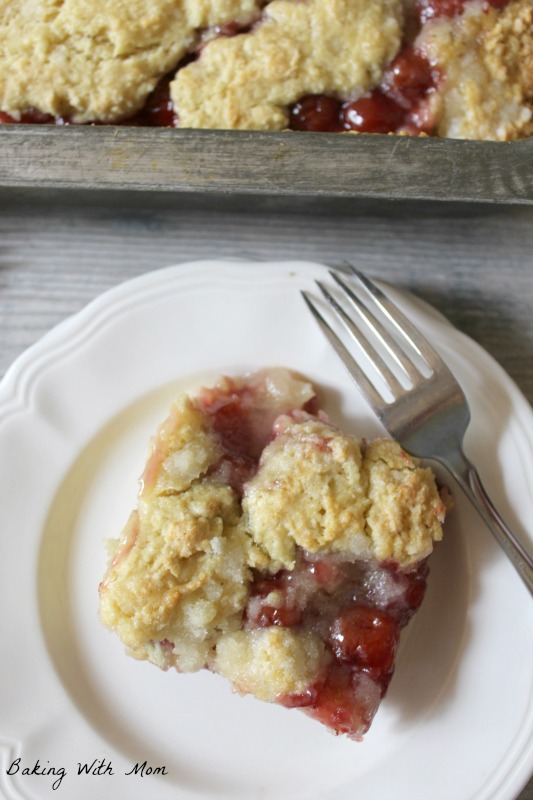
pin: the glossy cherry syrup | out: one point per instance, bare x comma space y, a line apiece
358, 610
406, 84
242, 419
159, 109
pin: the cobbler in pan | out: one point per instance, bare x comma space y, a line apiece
448, 68
272, 548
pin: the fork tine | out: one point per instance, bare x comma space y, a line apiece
388, 342
367, 388
405, 328
373, 356
342, 351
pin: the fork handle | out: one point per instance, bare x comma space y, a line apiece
508, 541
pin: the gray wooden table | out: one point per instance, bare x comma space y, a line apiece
475, 267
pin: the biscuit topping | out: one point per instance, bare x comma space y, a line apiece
98, 60
317, 46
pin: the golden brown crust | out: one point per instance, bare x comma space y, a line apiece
315, 489
182, 573
509, 48
405, 509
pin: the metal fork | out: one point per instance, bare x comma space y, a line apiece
430, 416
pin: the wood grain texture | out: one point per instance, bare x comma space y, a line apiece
477, 269
266, 163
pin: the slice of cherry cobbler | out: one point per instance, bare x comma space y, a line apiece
272, 548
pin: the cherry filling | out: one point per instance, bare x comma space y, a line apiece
374, 114
33, 117
242, 418
232, 425
406, 84
159, 109
358, 610
317, 112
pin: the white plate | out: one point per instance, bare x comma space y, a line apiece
76, 413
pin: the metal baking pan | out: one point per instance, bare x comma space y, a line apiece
277, 167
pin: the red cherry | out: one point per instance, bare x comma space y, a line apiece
374, 114
338, 706
366, 638
316, 112
286, 614
409, 78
